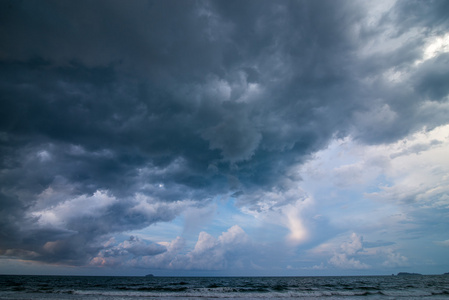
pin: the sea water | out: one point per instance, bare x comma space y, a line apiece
169, 288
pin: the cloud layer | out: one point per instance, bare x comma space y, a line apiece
117, 116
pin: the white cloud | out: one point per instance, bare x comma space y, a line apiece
382, 192
168, 259
342, 261
321, 266
345, 257
284, 206
382, 178
298, 231
436, 45
215, 254
394, 259
152, 207
354, 246
73, 208
138, 247
353, 253
126, 252
418, 169
234, 237
231, 249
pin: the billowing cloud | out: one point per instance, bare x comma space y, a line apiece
231, 249
210, 253
118, 116
352, 253
344, 258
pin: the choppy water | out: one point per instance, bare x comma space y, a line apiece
120, 288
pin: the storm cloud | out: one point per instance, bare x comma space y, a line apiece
115, 116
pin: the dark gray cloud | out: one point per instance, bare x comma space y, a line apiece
140, 107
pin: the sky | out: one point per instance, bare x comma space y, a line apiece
221, 138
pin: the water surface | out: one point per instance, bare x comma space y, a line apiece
169, 288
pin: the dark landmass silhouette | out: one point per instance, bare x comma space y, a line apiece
407, 274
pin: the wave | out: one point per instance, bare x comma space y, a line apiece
120, 288
222, 293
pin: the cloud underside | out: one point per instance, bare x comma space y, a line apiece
116, 116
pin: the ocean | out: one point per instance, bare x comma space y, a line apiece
170, 288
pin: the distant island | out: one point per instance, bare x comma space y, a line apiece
407, 274
149, 275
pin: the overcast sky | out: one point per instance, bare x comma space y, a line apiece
224, 137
